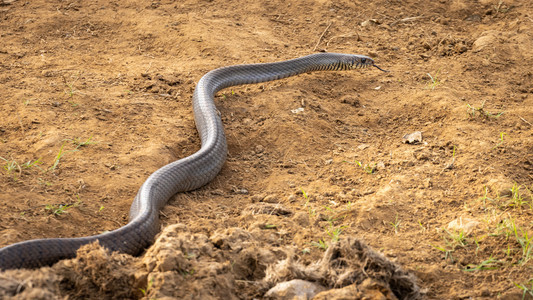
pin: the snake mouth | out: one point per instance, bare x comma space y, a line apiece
380, 68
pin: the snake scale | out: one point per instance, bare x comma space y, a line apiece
186, 174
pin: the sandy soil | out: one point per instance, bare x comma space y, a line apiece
95, 96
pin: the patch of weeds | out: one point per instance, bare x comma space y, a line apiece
59, 209
512, 231
517, 199
489, 264
11, 166
30, 164
434, 80
527, 288
481, 110
522, 237
333, 233
452, 241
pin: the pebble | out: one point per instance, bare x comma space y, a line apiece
463, 224
294, 290
271, 199
413, 138
483, 42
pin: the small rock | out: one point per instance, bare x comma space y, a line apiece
217, 192
370, 22
413, 138
428, 183
363, 146
463, 224
294, 290
271, 199
483, 42
298, 110
257, 198
368, 289
302, 219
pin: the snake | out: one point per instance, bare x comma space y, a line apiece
185, 174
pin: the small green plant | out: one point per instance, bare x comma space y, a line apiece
320, 244
434, 80
270, 226
334, 232
481, 110
11, 166
423, 228
58, 209
485, 197
58, 157
489, 264
501, 140
311, 211
517, 199
447, 252
30, 164
527, 288
522, 237
44, 182
368, 168
396, 224
452, 240
78, 142
148, 286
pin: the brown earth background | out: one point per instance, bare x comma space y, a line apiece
96, 95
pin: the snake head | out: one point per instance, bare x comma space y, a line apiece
361, 61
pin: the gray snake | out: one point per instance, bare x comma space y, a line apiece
186, 174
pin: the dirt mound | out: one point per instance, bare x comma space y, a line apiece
230, 264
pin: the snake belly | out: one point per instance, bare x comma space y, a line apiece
186, 174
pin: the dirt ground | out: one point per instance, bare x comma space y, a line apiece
96, 95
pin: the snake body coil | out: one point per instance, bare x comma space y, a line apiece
185, 174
